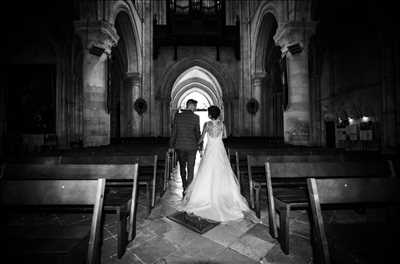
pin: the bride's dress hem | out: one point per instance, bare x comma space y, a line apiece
214, 193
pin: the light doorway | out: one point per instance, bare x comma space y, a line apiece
199, 84
202, 105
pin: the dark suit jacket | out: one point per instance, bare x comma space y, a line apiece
185, 131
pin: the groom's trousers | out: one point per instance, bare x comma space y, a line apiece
186, 159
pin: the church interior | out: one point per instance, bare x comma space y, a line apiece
309, 92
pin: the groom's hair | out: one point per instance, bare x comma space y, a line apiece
191, 102
214, 111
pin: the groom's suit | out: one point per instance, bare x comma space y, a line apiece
184, 139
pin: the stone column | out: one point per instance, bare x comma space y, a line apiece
164, 116
296, 118
96, 119
257, 83
132, 91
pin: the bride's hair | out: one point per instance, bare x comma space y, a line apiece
214, 112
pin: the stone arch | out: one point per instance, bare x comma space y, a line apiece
193, 88
212, 90
271, 9
266, 30
226, 83
180, 87
124, 16
228, 89
264, 68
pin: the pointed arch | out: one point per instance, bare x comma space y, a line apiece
124, 16
265, 22
228, 88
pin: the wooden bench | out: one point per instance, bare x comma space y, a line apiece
292, 194
122, 202
54, 244
352, 191
163, 171
50, 160
147, 172
256, 171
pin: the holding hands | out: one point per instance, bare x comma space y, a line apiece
200, 148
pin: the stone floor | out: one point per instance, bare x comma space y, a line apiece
160, 240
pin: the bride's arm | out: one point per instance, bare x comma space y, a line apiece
223, 131
203, 134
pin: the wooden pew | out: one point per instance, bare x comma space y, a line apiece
123, 203
54, 244
242, 168
163, 171
50, 160
256, 171
349, 191
292, 195
147, 172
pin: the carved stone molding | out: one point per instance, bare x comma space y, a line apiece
97, 33
132, 79
294, 32
258, 78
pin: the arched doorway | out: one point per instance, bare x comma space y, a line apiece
199, 84
269, 68
219, 85
124, 64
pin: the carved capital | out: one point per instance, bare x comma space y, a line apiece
258, 78
294, 32
133, 77
97, 33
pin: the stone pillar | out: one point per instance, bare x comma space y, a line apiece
257, 83
96, 118
132, 91
165, 116
296, 118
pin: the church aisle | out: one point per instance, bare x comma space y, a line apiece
160, 240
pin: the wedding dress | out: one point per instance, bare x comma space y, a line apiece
214, 192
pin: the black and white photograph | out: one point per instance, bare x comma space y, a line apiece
199, 132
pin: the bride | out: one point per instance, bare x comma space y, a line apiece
214, 193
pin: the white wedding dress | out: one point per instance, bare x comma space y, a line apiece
214, 192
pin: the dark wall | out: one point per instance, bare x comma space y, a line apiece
349, 69
38, 52
31, 104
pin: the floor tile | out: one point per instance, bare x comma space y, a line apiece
252, 247
229, 256
154, 249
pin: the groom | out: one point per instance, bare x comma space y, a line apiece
184, 139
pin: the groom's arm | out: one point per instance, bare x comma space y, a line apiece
197, 132
172, 140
